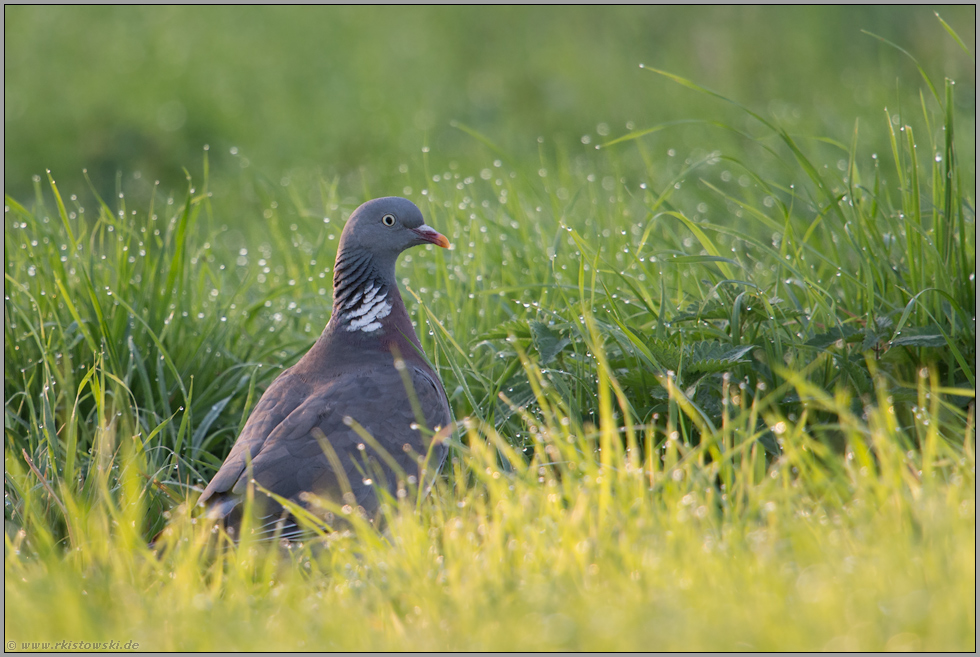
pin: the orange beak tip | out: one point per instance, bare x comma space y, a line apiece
432, 236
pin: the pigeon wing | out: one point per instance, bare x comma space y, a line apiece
286, 440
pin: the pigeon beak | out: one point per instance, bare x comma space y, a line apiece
431, 236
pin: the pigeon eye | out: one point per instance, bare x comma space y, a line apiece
388, 220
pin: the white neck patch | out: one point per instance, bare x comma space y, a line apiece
365, 309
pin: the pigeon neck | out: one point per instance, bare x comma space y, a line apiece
366, 301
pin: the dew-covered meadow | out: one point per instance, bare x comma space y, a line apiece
708, 325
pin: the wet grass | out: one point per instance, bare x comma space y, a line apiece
713, 399
873, 550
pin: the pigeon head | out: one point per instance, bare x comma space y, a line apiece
365, 292
387, 226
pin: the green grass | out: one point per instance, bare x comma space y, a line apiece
356, 91
865, 553
718, 379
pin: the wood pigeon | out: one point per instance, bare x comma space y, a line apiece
365, 373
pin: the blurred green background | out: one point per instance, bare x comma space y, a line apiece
354, 92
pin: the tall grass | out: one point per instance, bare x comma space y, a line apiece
712, 401
643, 550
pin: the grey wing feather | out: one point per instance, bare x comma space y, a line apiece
288, 460
432, 400
279, 401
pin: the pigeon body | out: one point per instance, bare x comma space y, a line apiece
302, 437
